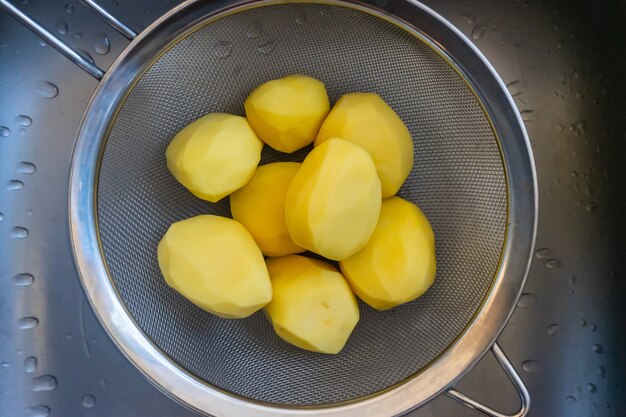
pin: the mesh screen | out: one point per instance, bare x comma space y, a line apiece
458, 181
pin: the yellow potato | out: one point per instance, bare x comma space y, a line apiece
333, 201
287, 113
313, 307
365, 119
214, 156
398, 263
214, 262
260, 207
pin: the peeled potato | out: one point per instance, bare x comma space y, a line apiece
214, 262
398, 263
313, 307
287, 113
215, 155
333, 201
365, 119
260, 207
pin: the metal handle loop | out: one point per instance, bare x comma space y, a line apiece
65, 49
513, 377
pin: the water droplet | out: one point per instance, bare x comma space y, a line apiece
591, 387
478, 32
5, 132
583, 322
223, 49
14, 185
607, 405
531, 366
18, 232
22, 131
266, 48
597, 349
26, 168
570, 399
30, 364
527, 300
553, 263
38, 411
23, 280
469, 19
23, 120
18, 351
89, 401
553, 329
1, 217
102, 45
78, 35
543, 253
44, 383
4, 364
69, 336
593, 327
601, 371
254, 31
28, 322
30, 212
47, 89
513, 88
572, 280
103, 382
381, 3
590, 207
85, 55
69, 9
61, 27
526, 115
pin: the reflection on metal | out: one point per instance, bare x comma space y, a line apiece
110, 19
510, 371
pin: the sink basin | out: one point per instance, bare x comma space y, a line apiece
562, 62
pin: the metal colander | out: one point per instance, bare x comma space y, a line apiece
458, 181
473, 176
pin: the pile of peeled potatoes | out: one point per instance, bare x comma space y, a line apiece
339, 203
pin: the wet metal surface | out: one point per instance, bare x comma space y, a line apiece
561, 61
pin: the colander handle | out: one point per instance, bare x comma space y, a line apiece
54, 41
110, 19
517, 382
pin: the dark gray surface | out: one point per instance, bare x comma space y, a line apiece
564, 66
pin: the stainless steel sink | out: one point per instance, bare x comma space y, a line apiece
563, 62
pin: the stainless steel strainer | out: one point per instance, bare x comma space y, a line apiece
473, 177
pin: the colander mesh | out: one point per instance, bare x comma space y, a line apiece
458, 180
